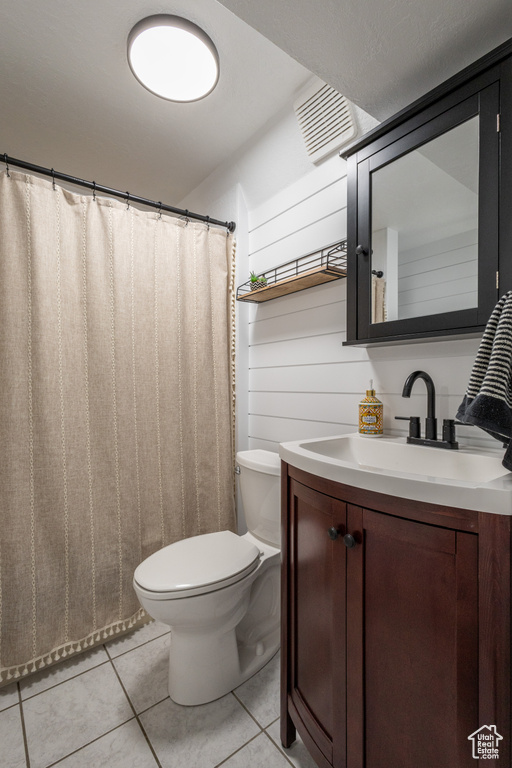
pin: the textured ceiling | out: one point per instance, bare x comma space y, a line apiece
68, 99
381, 54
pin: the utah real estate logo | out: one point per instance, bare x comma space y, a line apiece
486, 743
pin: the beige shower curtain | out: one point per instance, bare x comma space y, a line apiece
116, 408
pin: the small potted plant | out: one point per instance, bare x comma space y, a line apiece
257, 281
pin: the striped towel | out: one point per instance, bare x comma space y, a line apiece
488, 400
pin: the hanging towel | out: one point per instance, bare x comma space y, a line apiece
378, 299
488, 400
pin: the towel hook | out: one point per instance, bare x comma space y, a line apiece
378, 272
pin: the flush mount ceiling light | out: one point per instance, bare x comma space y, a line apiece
173, 58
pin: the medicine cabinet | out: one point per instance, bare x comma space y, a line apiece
429, 236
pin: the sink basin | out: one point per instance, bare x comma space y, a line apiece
399, 456
467, 479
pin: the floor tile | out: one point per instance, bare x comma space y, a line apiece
47, 678
12, 750
145, 671
137, 637
197, 736
70, 715
8, 696
261, 752
297, 753
260, 694
125, 747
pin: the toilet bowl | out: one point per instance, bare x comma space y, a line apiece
220, 593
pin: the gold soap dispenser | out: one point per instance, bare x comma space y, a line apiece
371, 416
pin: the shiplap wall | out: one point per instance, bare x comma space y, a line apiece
302, 381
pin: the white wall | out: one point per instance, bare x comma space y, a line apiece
302, 381
295, 375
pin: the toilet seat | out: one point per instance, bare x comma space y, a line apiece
196, 566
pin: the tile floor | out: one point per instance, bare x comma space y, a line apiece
109, 708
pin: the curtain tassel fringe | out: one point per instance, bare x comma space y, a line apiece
69, 649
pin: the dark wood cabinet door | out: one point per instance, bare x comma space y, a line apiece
317, 621
412, 643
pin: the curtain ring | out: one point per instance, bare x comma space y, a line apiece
160, 210
6, 165
128, 201
53, 179
94, 191
208, 223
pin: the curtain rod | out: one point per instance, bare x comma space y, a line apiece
229, 225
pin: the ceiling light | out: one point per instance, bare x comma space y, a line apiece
173, 58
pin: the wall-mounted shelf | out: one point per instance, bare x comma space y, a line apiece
321, 266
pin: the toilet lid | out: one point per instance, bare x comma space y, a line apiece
201, 561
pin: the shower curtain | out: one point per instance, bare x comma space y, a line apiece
116, 408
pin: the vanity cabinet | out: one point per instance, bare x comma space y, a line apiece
396, 627
428, 225
317, 614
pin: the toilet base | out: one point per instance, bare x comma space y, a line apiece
209, 663
219, 666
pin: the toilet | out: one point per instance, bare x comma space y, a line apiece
219, 592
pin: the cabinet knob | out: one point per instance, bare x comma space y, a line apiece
333, 533
349, 541
361, 251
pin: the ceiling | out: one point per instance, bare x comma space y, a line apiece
381, 54
68, 99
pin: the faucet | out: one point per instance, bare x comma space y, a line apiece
430, 438
431, 421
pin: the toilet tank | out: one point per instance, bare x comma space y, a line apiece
260, 486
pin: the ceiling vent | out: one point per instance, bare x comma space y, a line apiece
325, 119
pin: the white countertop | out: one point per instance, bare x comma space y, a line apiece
468, 478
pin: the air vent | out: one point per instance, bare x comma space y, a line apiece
325, 119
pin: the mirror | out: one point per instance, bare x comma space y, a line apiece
424, 228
